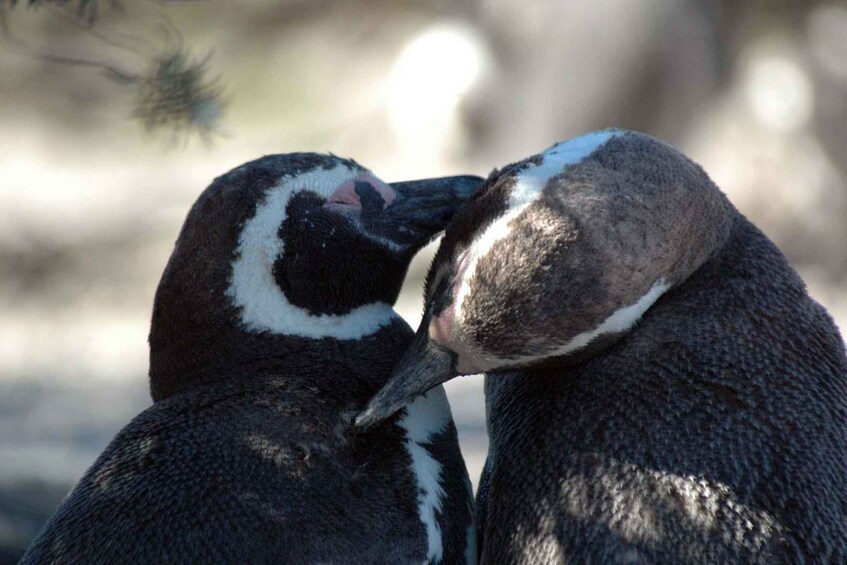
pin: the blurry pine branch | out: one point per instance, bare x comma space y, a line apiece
178, 93
173, 91
86, 9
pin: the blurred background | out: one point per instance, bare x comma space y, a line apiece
115, 115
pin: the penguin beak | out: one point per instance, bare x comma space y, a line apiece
424, 365
422, 209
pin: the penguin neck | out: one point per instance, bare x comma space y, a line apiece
725, 271
234, 355
738, 281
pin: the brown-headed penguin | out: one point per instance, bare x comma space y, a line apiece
272, 324
660, 388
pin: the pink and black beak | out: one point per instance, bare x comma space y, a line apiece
418, 210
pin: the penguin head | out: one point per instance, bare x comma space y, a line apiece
299, 246
558, 256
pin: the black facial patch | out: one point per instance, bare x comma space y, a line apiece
318, 270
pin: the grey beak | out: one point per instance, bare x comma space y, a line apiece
422, 209
424, 365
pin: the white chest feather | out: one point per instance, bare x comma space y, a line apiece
424, 418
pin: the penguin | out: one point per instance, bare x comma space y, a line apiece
660, 388
272, 326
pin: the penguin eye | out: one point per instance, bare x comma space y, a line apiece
343, 200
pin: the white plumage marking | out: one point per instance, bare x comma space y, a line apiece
528, 188
253, 289
425, 417
620, 320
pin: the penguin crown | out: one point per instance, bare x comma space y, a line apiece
560, 254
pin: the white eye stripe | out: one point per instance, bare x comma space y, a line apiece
253, 289
529, 187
